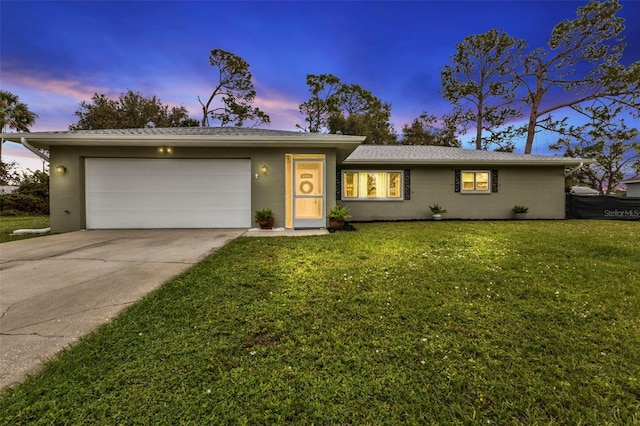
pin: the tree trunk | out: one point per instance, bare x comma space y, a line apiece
479, 128
536, 100
531, 132
205, 117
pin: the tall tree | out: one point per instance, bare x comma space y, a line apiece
583, 60
348, 109
316, 110
234, 90
14, 115
355, 111
607, 140
480, 83
129, 111
425, 130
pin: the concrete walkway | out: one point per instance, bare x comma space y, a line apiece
56, 289
282, 232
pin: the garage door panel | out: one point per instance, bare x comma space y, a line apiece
145, 193
205, 185
151, 202
165, 220
165, 168
128, 196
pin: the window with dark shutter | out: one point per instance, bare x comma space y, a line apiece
476, 181
494, 181
372, 185
407, 184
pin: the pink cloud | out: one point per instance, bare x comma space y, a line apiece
269, 99
55, 99
73, 89
16, 150
26, 159
283, 111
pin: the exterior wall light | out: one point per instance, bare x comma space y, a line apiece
165, 150
262, 170
60, 169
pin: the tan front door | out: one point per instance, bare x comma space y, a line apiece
308, 193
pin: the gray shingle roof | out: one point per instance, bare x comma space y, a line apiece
187, 137
426, 154
184, 131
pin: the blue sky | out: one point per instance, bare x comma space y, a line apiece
56, 54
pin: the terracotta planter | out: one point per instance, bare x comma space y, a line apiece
336, 223
266, 223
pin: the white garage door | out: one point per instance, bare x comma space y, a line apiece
176, 193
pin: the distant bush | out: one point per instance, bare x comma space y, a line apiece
15, 203
32, 197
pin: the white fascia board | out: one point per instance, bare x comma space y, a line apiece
487, 163
45, 140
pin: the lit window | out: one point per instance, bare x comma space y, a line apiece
372, 185
394, 188
350, 185
475, 181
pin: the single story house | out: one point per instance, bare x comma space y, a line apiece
633, 186
210, 177
8, 189
584, 190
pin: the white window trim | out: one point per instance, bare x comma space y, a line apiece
475, 191
358, 198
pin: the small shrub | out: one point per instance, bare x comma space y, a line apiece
339, 213
437, 209
520, 209
264, 214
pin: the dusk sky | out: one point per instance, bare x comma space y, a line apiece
56, 54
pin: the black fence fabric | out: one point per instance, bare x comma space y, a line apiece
602, 207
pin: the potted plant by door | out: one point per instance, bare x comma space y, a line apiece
337, 216
437, 211
520, 212
265, 218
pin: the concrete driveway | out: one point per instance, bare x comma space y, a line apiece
58, 288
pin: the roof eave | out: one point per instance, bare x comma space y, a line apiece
46, 140
408, 162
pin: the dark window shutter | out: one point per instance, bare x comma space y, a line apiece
456, 181
338, 185
407, 184
494, 181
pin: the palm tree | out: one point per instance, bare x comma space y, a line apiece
14, 115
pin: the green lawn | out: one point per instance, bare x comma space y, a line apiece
8, 224
515, 322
